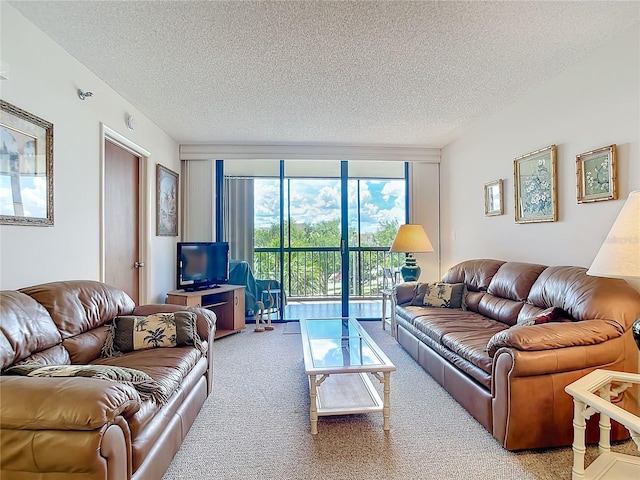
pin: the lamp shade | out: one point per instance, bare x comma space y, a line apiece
619, 255
411, 239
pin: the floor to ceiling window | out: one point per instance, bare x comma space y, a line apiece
325, 232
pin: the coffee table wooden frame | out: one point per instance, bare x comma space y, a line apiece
346, 389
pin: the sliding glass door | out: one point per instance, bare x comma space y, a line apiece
322, 227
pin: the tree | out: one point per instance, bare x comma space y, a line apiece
386, 233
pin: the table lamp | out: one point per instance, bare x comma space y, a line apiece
619, 255
411, 239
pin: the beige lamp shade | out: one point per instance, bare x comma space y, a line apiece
411, 239
619, 255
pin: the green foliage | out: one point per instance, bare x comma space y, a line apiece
386, 233
317, 273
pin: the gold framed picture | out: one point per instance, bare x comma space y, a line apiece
535, 186
26, 168
166, 202
493, 204
596, 178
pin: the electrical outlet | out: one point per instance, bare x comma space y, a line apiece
453, 235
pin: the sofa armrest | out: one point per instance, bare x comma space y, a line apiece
405, 292
61, 403
550, 336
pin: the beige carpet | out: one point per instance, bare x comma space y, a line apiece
255, 425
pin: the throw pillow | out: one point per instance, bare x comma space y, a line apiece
444, 295
131, 332
419, 290
146, 386
550, 314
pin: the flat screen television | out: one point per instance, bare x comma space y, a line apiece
202, 265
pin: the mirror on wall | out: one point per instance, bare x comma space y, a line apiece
26, 168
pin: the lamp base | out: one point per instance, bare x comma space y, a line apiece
410, 270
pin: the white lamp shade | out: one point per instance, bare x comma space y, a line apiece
619, 255
411, 239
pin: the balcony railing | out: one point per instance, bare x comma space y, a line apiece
316, 273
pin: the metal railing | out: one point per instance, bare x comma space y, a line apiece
316, 272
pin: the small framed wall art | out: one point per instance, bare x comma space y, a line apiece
535, 186
493, 204
166, 202
596, 175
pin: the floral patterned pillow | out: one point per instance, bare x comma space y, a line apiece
131, 332
444, 295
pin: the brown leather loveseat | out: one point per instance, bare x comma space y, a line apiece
512, 379
90, 428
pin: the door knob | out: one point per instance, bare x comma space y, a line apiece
138, 264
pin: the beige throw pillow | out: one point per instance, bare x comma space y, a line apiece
444, 295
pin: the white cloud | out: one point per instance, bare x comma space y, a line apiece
318, 200
33, 192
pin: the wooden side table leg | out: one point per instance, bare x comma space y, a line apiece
579, 427
314, 408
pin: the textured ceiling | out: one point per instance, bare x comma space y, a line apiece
366, 72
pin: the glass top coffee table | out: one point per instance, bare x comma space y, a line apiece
339, 355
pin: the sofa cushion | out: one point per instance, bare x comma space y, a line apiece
86, 347
129, 333
476, 274
443, 295
513, 280
168, 366
146, 386
469, 341
26, 328
438, 322
585, 297
503, 309
77, 306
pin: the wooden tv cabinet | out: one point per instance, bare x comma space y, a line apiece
226, 301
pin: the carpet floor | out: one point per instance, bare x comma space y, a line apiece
255, 425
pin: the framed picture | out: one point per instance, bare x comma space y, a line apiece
596, 175
166, 202
493, 198
26, 168
536, 196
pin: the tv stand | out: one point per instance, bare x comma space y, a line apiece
226, 301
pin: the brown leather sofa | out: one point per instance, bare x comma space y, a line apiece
516, 388
88, 428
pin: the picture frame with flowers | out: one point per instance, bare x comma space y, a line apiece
535, 186
596, 178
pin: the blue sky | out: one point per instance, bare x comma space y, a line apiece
317, 200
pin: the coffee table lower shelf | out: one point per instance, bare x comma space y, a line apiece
347, 393
613, 466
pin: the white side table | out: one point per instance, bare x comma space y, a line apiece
592, 394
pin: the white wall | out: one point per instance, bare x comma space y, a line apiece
593, 104
43, 80
423, 209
